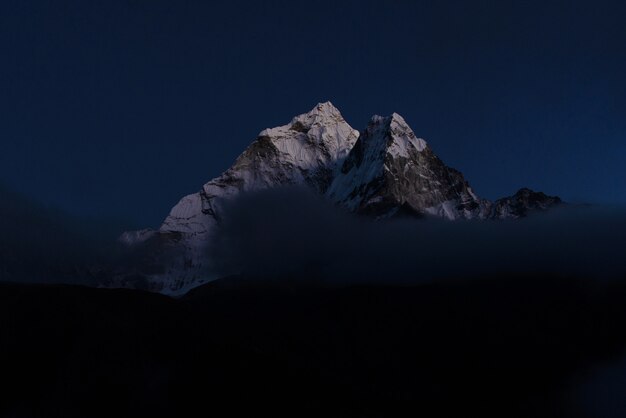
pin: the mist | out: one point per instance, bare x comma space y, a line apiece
41, 244
292, 233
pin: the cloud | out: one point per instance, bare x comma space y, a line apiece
291, 232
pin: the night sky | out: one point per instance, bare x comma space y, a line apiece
119, 108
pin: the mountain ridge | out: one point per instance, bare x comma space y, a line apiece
381, 172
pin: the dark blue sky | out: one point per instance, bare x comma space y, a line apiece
120, 108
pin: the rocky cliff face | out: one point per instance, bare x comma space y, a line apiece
382, 172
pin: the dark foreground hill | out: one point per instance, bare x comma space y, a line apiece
515, 347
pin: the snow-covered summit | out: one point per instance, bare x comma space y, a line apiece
320, 114
401, 138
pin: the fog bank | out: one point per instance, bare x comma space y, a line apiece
291, 232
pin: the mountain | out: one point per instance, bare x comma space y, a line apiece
390, 169
522, 203
384, 171
306, 151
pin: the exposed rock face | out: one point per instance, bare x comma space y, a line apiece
390, 168
385, 171
522, 203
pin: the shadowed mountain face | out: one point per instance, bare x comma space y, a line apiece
517, 347
384, 171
